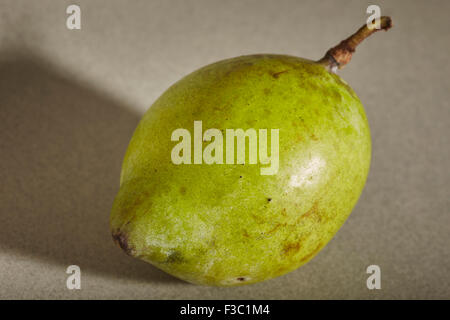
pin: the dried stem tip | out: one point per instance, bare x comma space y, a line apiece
340, 55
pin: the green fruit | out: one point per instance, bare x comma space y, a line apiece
227, 224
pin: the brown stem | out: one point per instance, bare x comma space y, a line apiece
340, 55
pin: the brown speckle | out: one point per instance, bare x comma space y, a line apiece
313, 212
269, 199
291, 248
278, 225
276, 75
183, 190
240, 279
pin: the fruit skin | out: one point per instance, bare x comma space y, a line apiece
229, 225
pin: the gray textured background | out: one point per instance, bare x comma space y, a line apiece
69, 101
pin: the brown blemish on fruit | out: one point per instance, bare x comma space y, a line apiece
240, 279
267, 91
282, 270
302, 123
269, 233
121, 240
276, 75
183, 190
313, 212
291, 248
245, 234
312, 254
129, 207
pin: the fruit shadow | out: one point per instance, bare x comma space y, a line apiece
61, 148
